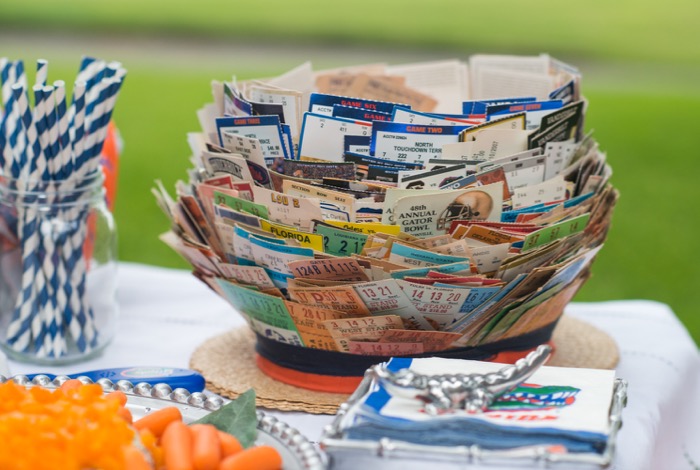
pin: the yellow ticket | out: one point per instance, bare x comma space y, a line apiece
308, 240
368, 228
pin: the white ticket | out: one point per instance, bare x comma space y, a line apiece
324, 136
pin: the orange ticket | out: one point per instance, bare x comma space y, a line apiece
342, 298
489, 236
337, 269
309, 321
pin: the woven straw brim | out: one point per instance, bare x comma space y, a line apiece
228, 363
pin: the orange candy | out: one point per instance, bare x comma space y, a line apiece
75, 427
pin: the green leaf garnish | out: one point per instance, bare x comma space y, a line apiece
237, 418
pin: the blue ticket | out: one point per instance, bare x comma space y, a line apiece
479, 106
411, 143
361, 114
266, 129
321, 103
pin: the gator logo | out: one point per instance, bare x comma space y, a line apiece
528, 397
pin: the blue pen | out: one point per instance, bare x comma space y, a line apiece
176, 378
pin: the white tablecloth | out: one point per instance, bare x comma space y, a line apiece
166, 314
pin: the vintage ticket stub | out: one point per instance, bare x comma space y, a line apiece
341, 298
309, 322
489, 258
478, 235
441, 305
393, 195
242, 246
205, 193
277, 334
288, 209
320, 103
361, 328
343, 203
341, 242
249, 148
479, 106
368, 228
427, 215
454, 268
555, 232
254, 275
337, 269
553, 190
411, 143
478, 296
305, 239
323, 136
241, 205
233, 102
359, 114
356, 144
318, 170
218, 164
371, 348
488, 144
290, 100
275, 258
266, 308
454, 248
514, 122
412, 256
266, 129
534, 111
385, 297
431, 340
431, 179
409, 116
199, 256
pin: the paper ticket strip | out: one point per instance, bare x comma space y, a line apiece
371, 210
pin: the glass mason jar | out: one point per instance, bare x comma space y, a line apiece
58, 260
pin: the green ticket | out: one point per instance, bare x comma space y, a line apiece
341, 242
241, 205
555, 232
263, 307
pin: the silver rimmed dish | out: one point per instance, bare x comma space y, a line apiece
296, 450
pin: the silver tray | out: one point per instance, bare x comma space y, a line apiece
398, 455
296, 450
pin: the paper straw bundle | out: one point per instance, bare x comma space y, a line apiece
50, 156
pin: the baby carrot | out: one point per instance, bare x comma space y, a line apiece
117, 395
177, 446
229, 444
134, 459
126, 414
206, 450
71, 384
158, 420
255, 458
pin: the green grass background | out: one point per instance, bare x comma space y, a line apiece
640, 63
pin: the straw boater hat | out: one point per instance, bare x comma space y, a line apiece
230, 364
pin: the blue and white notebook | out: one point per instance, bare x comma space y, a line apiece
560, 408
